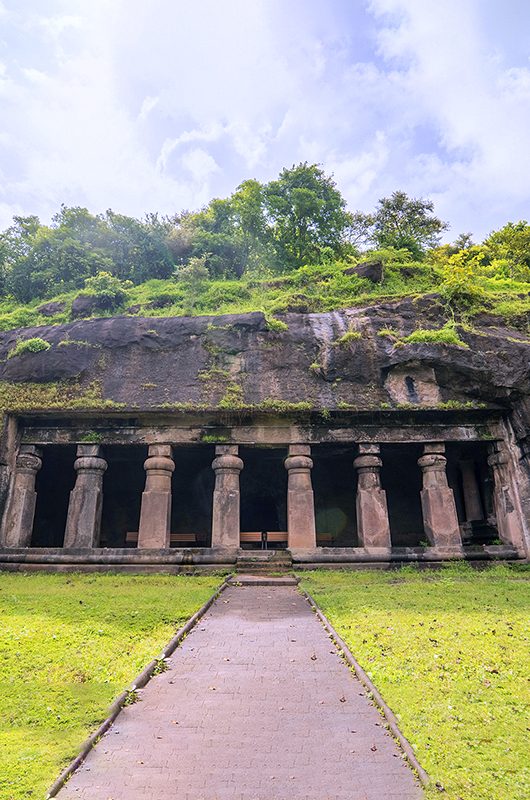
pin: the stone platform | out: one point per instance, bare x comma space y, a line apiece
207, 559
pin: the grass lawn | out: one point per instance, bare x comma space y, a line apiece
69, 644
449, 651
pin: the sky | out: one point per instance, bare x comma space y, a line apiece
160, 105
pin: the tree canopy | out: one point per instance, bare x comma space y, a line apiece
297, 221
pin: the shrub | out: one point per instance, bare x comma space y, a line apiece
35, 345
274, 324
349, 336
445, 335
108, 288
223, 292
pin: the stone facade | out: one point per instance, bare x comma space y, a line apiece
451, 448
379, 449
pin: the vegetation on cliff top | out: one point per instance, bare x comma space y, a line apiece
288, 245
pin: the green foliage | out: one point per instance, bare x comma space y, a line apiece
70, 644
448, 650
232, 398
193, 278
35, 345
283, 406
460, 285
274, 324
307, 213
283, 246
509, 249
348, 338
446, 335
401, 222
91, 437
44, 396
109, 291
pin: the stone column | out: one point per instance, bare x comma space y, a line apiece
509, 524
21, 508
301, 528
155, 513
471, 491
440, 519
373, 527
83, 524
226, 501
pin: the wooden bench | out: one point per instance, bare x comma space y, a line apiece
131, 537
263, 538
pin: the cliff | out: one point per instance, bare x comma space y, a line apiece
359, 358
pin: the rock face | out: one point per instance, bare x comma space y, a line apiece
372, 270
220, 361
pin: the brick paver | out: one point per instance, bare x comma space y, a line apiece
256, 705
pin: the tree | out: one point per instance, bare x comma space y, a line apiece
403, 222
306, 213
509, 249
193, 278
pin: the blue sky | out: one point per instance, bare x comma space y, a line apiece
161, 105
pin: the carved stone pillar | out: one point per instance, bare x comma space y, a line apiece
226, 501
440, 519
373, 527
21, 508
301, 528
509, 524
155, 513
83, 524
471, 492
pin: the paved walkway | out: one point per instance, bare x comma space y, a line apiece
257, 705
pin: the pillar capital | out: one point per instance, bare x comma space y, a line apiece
227, 463
498, 459
434, 447
368, 463
298, 463
29, 459
369, 448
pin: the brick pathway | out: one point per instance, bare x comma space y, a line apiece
257, 705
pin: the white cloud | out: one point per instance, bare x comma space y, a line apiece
162, 105
148, 104
199, 164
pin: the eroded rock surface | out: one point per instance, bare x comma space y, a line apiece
154, 362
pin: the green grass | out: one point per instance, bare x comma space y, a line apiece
311, 288
449, 652
445, 335
69, 644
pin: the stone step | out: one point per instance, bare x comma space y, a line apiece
247, 579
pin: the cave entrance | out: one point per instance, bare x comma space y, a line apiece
334, 487
263, 495
55, 480
471, 479
192, 495
123, 485
401, 478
